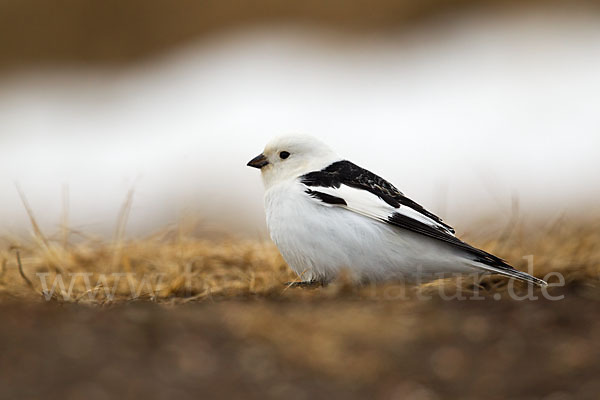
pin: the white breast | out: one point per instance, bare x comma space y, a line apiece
318, 241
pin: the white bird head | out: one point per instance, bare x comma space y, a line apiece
288, 157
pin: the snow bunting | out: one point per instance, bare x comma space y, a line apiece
326, 214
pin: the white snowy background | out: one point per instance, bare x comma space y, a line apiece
463, 116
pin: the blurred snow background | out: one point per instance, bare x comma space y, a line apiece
463, 114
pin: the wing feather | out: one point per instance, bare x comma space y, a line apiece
346, 185
369, 194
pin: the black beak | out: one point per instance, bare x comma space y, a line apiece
258, 162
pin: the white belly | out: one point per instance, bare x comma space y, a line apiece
319, 241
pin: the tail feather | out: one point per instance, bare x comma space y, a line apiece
511, 272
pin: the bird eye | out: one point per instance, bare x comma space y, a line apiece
284, 154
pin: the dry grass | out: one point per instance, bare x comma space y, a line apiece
227, 325
176, 266
165, 266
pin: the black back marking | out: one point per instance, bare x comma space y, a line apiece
326, 198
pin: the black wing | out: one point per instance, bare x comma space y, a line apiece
349, 174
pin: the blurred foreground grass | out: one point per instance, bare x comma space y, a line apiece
175, 315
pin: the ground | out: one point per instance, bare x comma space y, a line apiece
177, 316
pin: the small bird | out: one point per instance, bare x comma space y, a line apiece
327, 214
